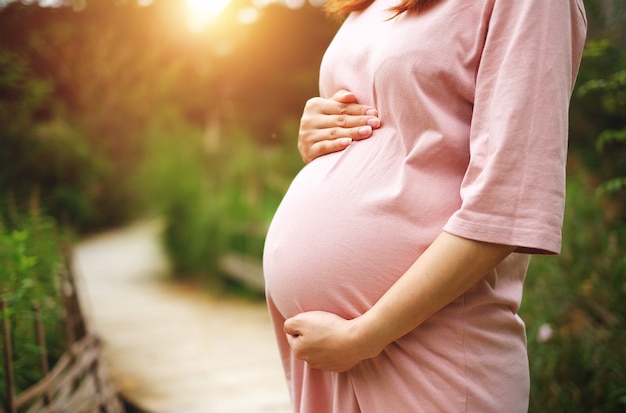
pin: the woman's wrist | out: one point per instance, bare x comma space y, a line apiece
368, 335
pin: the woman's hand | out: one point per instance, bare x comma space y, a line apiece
328, 342
330, 125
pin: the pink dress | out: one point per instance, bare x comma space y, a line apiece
473, 98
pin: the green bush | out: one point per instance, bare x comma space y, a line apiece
29, 268
599, 118
216, 191
44, 158
575, 310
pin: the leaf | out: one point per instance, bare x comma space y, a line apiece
610, 136
612, 186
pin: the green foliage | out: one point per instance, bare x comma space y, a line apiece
599, 110
79, 85
22, 95
53, 167
29, 265
44, 159
216, 190
575, 310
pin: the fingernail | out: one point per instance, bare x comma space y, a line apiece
371, 112
373, 122
365, 130
345, 141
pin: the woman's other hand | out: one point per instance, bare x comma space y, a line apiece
330, 125
329, 342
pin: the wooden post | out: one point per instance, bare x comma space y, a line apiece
66, 291
72, 304
8, 359
40, 335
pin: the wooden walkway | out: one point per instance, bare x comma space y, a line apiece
171, 349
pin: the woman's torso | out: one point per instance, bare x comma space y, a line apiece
352, 222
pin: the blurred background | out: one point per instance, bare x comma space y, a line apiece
118, 111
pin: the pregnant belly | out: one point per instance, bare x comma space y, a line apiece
339, 240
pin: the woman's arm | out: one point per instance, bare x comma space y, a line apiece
448, 268
330, 125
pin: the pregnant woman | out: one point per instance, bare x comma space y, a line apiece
394, 265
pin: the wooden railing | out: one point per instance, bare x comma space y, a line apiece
78, 382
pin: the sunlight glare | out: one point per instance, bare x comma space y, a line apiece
203, 12
248, 15
294, 4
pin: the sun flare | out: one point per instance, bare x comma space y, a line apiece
202, 12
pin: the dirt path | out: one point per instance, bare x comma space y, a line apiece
170, 349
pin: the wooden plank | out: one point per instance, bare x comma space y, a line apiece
109, 400
244, 269
44, 384
70, 366
80, 399
37, 407
81, 365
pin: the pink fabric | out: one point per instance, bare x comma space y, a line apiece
473, 98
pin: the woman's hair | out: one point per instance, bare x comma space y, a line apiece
340, 8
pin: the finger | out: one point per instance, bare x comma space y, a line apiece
291, 327
325, 147
293, 343
345, 121
344, 96
355, 133
335, 107
331, 122
347, 97
332, 140
359, 133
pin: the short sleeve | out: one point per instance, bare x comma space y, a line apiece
513, 191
